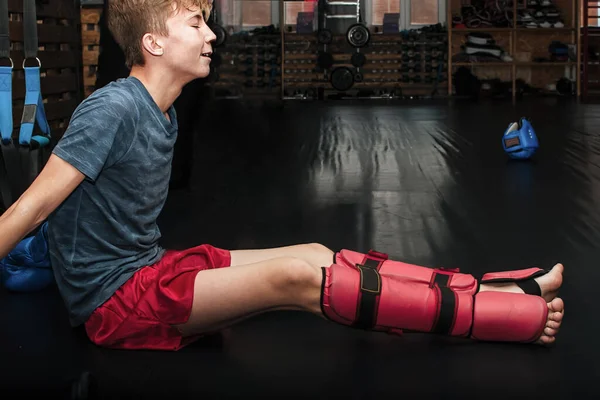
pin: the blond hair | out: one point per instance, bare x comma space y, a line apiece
130, 20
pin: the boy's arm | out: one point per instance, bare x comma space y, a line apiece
103, 122
54, 184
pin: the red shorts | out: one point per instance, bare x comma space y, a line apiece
142, 313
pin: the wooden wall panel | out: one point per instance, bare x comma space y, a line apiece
90, 40
50, 8
49, 59
46, 33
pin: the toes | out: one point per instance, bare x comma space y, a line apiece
550, 331
556, 311
547, 339
556, 316
553, 324
556, 305
559, 267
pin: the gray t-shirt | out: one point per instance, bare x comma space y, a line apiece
106, 229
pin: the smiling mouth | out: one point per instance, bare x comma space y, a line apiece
207, 54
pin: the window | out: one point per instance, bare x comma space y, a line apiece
593, 18
424, 12
292, 8
413, 13
381, 7
253, 13
224, 12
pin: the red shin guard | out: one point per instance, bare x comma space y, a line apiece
372, 292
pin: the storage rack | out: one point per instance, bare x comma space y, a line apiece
514, 33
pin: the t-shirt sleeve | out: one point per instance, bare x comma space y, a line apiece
101, 129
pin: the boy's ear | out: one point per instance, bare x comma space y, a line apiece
152, 45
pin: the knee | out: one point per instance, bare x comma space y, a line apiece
296, 275
320, 249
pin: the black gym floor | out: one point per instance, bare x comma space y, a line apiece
426, 182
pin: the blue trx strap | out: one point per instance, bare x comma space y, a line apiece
6, 117
22, 159
6, 121
33, 109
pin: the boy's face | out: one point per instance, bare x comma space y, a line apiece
187, 49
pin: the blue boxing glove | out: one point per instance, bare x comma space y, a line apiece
27, 268
520, 141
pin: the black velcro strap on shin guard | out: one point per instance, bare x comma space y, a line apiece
370, 289
371, 263
445, 320
374, 259
530, 286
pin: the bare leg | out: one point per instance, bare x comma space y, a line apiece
315, 254
223, 297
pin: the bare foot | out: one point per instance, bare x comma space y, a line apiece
549, 283
556, 312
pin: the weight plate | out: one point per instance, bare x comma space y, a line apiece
324, 60
358, 59
324, 36
342, 78
358, 35
220, 33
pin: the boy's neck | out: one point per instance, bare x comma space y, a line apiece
162, 88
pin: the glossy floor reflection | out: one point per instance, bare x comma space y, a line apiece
427, 183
